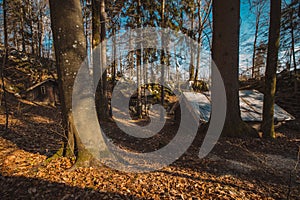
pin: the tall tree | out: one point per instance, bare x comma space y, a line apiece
27, 24
67, 27
95, 23
203, 16
191, 33
98, 38
4, 5
3, 64
270, 77
162, 56
258, 7
289, 26
225, 48
139, 61
103, 19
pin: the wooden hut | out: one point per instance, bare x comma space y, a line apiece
43, 92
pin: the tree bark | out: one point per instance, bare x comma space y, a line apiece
95, 23
31, 29
225, 53
104, 110
67, 26
22, 28
99, 35
114, 53
4, 5
198, 42
162, 56
40, 31
96, 40
293, 41
139, 63
3, 98
192, 66
254, 44
270, 76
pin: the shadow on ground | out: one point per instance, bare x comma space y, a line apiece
33, 128
28, 188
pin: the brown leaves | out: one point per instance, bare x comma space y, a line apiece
24, 172
169, 183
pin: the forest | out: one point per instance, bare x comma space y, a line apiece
132, 99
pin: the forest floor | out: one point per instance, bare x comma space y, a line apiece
252, 168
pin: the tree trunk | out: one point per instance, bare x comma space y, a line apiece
67, 26
4, 5
95, 23
40, 32
114, 52
254, 44
225, 53
3, 96
98, 35
31, 30
192, 66
89, 42
198, 59
104, 110
138, 76
162, 56
130, 58
139, 62
293, 41
198, 42
22, 28
270, 76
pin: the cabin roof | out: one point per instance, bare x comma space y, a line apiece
39, 84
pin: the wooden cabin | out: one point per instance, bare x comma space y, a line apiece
43, 92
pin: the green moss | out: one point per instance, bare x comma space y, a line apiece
58, 154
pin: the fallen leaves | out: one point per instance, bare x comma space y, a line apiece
25, 174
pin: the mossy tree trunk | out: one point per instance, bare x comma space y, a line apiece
225, 53
270, 76
70, 52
